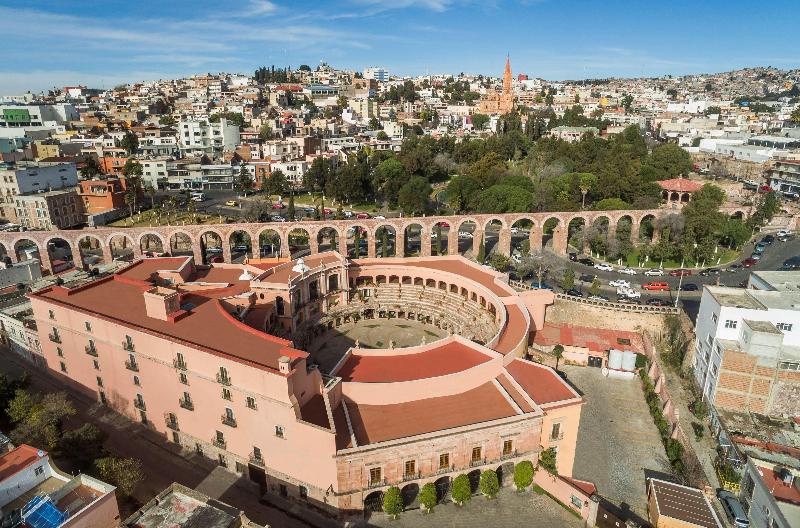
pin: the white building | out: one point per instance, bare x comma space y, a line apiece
200, 136
770, 493
293, 170
377, 73
27, 177
23, 116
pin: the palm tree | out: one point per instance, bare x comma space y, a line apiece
587, 181
151, 192
130, 201
558, 353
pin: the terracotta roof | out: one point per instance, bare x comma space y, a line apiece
541, 383
313, 411
683, 503
595, 339
517, 396
779, 489
514, 332
446, 359
282, 273
379, 423
145, 268
583, 485
17, 460
680, 185
463, 268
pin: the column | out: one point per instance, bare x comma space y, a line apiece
198, 253
285, 251
313, 244
560, 239
425, 240
535, 238
504, 242
477, 239
371, 243
400, 242
44, 259
226, 252
656, 235
452, 241
107, 255
343, 244
634, 232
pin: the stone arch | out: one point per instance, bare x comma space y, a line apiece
495, 220
181, 244
385, 241
60, 254
521, 232
269, 243
26, 249
298, 242
4, 252
357, 241
467, 231
373, 502
647, 227
152, 243
328, 239
685, 197
505, 474
241, 245
414, 236
474, 477
576, 229
442, 485
622, 236
410, 493
211, 246
91, 250
440, 238
492, 234
598, 234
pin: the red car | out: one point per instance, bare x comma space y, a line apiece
680, 273
749, 262
277, 206
328, 211
655, 286
362, 216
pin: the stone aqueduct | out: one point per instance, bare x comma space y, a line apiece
140, 239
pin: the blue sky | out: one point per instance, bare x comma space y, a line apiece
102, 43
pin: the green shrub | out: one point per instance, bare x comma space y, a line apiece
547, 459
427, 496
393, 502
523, 474
698, 430
489, 484
674, 450
462, 491
641, 361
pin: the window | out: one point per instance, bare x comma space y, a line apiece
136, 381
279, 431
226, 394
476, 454
410, 468
59, 352
729, 323
176, 437
555, 432
508, 447
96, 364
786, 327
198, 448
303, 491
239, 467
256, 453
99, 381
222, 460
788, 365
102, 397
375, 475
251, 402
88, 326
714, 318
220, 437
183, 379
63, 366
51, 314
576, 501
444, 461
38, 471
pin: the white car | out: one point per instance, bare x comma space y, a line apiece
783, 233
619, 283
465, 234
655, 272
627, 271
602, 266
347, 214
629, 293
379, 217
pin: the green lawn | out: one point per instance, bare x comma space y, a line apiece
151, 219
725, 256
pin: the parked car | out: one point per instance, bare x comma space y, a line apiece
347, 214
619, 283
733, 268
783, 233
465, 234
655, 286
602, 266
574, 293
749, 262
709, 271
689, 287
768, 239
309, 210
277, 206
214, 250
627, 300
362, 216
655, 272
599, 298
586, 277
755, 256
277, 218
573, 257
733, 509
241, 248
653, 301
379, 217
586, 261
540, 285
759, 248
627, 271
327, 211
680, 273
232, 203
785, 238
628, 292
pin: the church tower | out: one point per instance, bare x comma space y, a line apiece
507, 88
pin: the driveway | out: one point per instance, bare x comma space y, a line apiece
617, 439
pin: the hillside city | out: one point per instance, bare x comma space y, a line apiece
310, 296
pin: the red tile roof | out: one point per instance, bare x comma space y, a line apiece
541, 383
446, 359
595, 339
515, 330
515, 394
779, 489
17, 460
379, 423
680, 185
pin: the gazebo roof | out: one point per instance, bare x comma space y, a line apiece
680, 185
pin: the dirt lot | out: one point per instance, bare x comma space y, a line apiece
570, 313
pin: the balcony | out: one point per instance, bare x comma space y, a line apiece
256, 460
139, 404
132, 366
223, 380
128, 346
377, 483
55, 338
412, 476
171, 424
230, 421
179, 364
219, 442
91, 350
511, 454
186, 404
479, 462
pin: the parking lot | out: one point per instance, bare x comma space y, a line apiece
617, 440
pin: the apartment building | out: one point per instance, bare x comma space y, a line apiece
28, 177
770, 493
784, 176
105, 194
201, 136
378, 73
24, 116
59, 209
747, 352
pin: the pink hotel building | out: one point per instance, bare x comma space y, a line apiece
207, 356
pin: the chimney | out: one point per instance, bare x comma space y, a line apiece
161, 303
284, 365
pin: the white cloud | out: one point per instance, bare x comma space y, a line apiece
261, 7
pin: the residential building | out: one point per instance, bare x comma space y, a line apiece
22, 272
28, 177
154, 172
770, 493
672, 505
24, 116
201, 136
377, 73
105, 194
784, 176
33, 492
18, 328
572, 134
60, 209
747, 350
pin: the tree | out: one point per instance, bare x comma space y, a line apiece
462, 490
489, 484
594, 289
384, 242
265, 132
499, 261
795, 116
38, 419
611, 204
765, 211
393, 502
502, 198
167, 120
91, 167
388, 178
547, 459
523, 474
627, 101
382, 136
481, 258
414, 197
8, 388
568, 281
233, 117
130, 142
83, 444
427, 496
151, 192
735, 233
665, 162
244, 182
130, 201
586, 180
290, 212
276, 183
479, 121
558, 353
132, 168
124, 473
